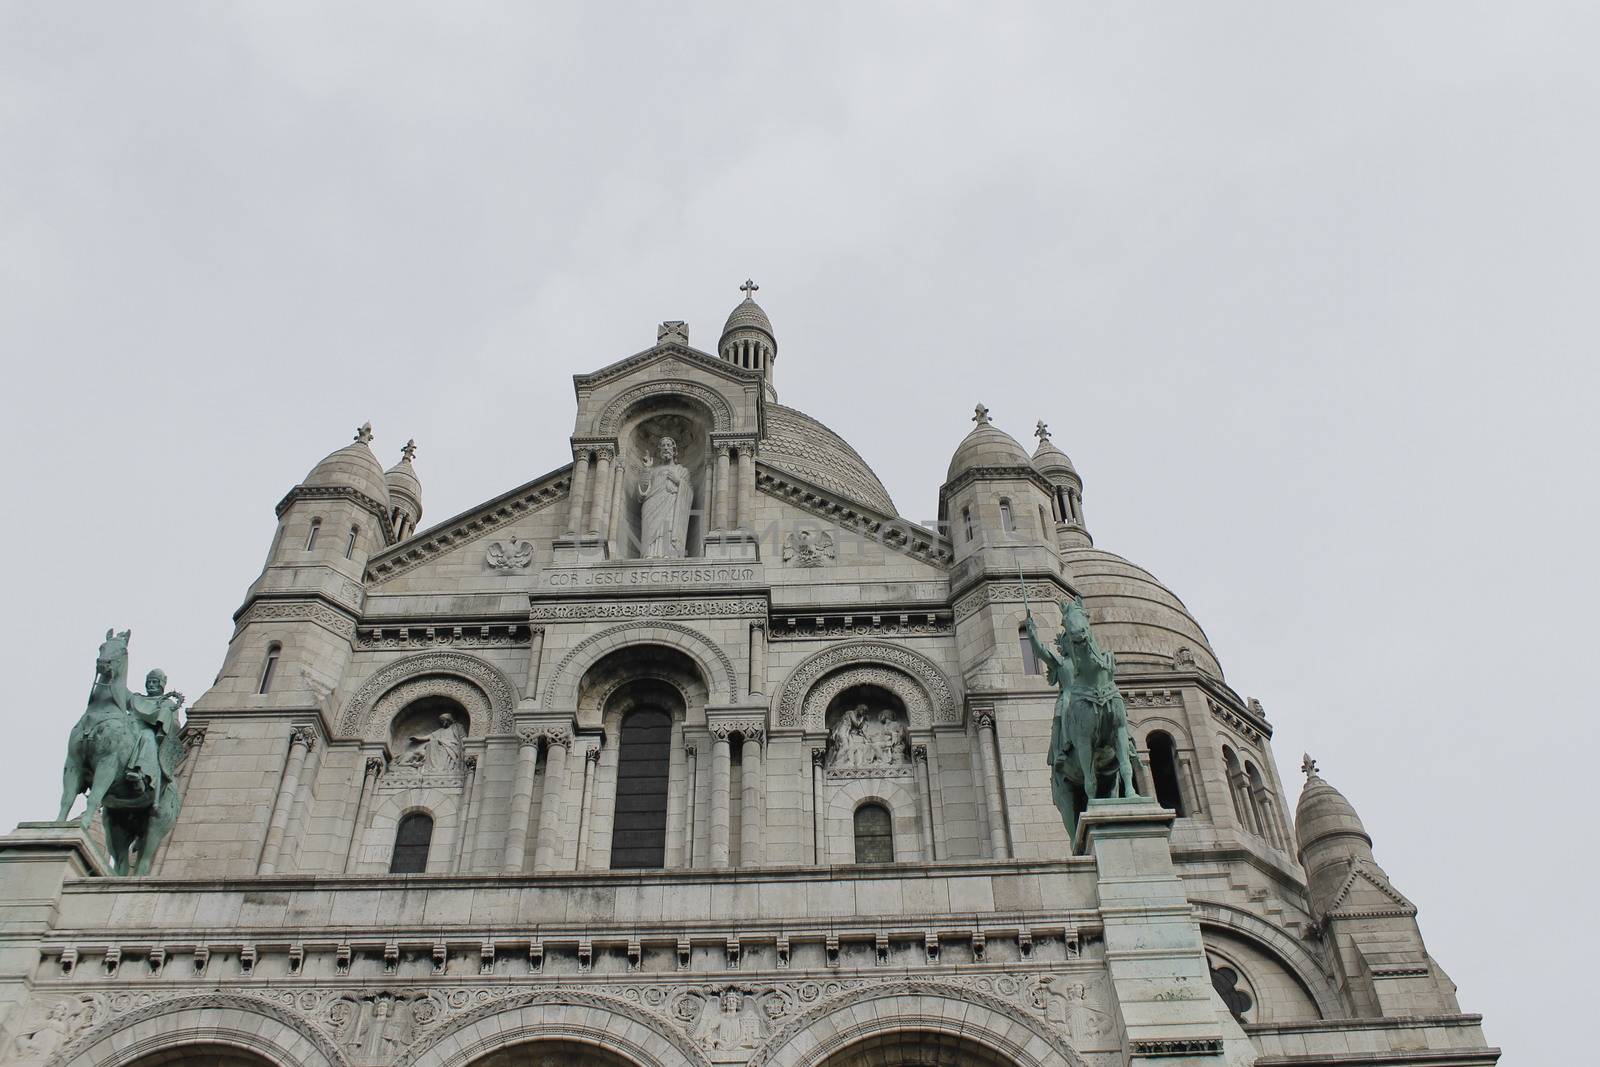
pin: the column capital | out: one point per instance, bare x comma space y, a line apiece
528, 738
305, 736
471, 763
691, 751
592, 754
819, 756
375, 765
919, 753
984, 719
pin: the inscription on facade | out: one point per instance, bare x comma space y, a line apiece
606, 578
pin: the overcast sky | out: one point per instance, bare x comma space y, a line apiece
1306, 291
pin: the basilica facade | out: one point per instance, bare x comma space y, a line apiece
693, 751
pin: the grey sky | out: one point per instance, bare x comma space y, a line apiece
1306, 292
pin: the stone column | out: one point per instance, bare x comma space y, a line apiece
747, 485
602, 491
991, 787
369, 779
301, 740
619, 497
1190, 787
750, 813
521, 801
535, 653
692, 782
758, 658
551, 815
819, 840
579, 491
720, 500
919, 763
591, 757
721, 773
469, 767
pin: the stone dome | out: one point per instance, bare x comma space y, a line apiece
352, 467
802, 446
1134, 615
1324, 813
402, 478
986, 446
749, 315
1048, 460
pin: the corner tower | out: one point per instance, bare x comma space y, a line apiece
747, 338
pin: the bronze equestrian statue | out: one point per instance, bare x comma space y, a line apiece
124, 754
1089, 738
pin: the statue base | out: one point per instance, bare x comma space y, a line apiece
730, 544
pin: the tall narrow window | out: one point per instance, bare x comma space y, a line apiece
350, 545
1008, 522
639, 829
1030, 660
1044, 523
270, 667
1164, 771
411, 843
966, 521
874, 834
311, 538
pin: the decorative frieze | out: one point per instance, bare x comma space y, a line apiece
299, 611
833, 627
1039, 592
697, 608
443, 635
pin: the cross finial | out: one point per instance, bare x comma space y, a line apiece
409, 452
980, 415
1308, 766
1041, 430
748, 289
364, 433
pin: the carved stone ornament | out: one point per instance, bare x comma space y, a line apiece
919, 683
808, 547
497, 696
509, 555
867, 742
748, 729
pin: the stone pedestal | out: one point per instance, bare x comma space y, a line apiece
1154, 950
572, 549
35, 859
731, 544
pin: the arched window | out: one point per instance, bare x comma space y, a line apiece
1262, 805
411, 841
270, 667
1008, 521
1164, 771
1238, 790
350, 545
1030, 660
639, 829
874, 834
966, 521
1044, 523
311, 538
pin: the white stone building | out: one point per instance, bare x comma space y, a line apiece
711, 759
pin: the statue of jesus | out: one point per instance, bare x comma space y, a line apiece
668, 496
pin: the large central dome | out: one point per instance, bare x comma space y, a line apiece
799, 444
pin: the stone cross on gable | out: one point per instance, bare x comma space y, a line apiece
980, 415
749, 289
364, 433
1041, 430
409, 452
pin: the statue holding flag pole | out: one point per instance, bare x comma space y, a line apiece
1090, 742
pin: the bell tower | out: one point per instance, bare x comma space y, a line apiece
747, 338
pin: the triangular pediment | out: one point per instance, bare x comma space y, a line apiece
849, 519
1365, 888
657, 362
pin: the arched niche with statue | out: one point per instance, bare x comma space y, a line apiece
668, 478
869, 734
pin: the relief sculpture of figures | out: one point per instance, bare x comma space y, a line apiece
124, 754
439, 751
861, 739
1089, 736
668, 496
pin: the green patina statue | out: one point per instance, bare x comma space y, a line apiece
124, 753
1090, 743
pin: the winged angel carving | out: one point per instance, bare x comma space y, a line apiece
510, 555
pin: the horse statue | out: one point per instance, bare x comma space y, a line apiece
1089, 738
124, 753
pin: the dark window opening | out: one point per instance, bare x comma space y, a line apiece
639, 828
874, 834
311, 538
411, 843
270, 668
1164, 771
1030, 659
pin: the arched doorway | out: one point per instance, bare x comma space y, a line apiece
553, 1054
202, 1056
917, 1049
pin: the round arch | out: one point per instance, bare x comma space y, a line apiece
488, 695
587, 1019
1274, 942
246, 1024
914, 678
715, 404
716, 668
932, 1009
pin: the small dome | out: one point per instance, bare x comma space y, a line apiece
352, 467
402, 477
1134, 615
1323, 812
986, 446
1048, 459
749, 315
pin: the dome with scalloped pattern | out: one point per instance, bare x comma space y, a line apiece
802, 446
1134, 615
352, 467
748, 314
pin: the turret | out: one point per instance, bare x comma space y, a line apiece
1066, 490
747, 338
1376, 945
405, 494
